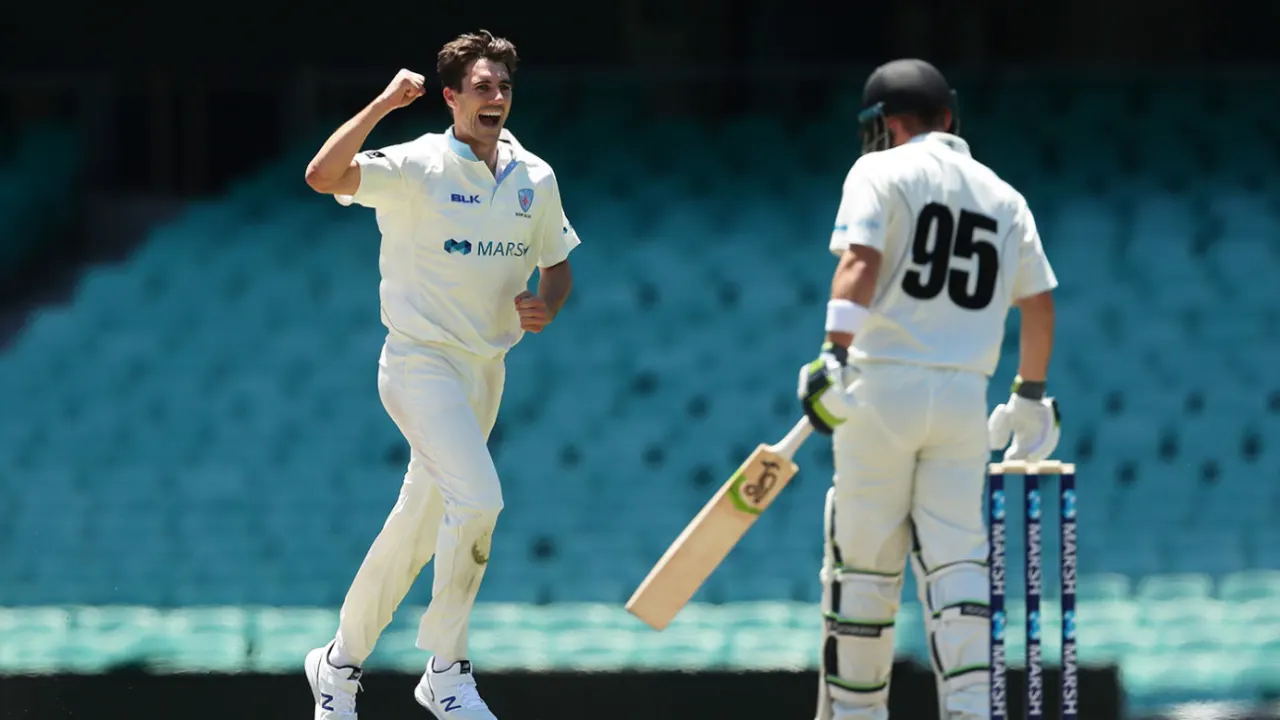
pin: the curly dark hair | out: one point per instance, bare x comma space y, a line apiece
457, 54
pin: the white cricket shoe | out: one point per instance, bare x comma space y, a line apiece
334, 688
451, 694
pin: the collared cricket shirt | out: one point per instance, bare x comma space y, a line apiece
959, 247
459, 243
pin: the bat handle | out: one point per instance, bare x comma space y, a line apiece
794, 438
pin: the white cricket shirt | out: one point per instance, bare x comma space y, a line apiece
458, 243
959, 247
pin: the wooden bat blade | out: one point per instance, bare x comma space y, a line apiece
709, 537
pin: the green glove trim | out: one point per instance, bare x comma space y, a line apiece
831, 420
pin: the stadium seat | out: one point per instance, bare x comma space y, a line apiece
1249, 585
1103, 587
283, 635
204, 639
194, 417
33, 639
1159, 588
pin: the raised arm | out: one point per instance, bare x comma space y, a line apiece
333, 170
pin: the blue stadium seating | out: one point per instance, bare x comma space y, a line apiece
199, 426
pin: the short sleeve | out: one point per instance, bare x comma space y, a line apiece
557, 238
1034, 274
862, 217
381, 178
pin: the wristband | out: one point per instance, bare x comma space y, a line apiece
845, 316
1029, 389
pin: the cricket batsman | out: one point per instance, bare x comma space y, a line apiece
466, 216
933, 250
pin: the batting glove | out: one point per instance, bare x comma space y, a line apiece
1031, 420
823, 388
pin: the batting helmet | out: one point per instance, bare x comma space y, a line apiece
902, 86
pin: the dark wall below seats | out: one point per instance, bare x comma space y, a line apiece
521, 696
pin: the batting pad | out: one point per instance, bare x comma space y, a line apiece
859, 609
957, 616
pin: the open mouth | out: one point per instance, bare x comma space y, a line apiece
491, 120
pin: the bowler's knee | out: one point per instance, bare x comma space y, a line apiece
475, 495
471, 515
473, 527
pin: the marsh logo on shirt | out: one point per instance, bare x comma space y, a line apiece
461, 247
501, 249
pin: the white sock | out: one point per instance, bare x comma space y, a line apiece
338, 656
439, 664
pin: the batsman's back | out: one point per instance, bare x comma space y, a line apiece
959, 246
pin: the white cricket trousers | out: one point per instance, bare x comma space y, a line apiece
910, 467
445, 402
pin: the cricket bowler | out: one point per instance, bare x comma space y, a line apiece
934, 248
466, 216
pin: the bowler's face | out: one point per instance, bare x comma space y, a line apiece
481, 106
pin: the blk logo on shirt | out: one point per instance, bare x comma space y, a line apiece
464, 199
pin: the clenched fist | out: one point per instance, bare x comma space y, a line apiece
404, 88
534, 313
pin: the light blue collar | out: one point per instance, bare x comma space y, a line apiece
465, 152
462, 149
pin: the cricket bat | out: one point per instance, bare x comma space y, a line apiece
714, 531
